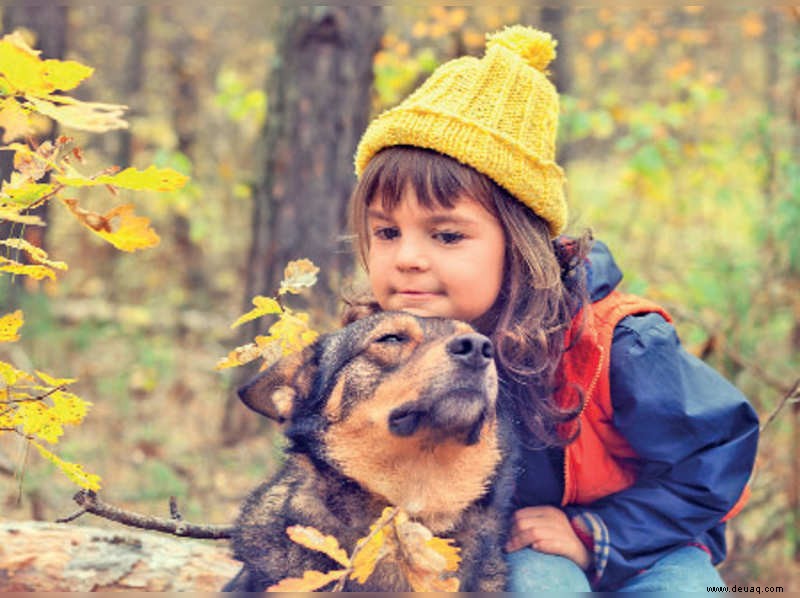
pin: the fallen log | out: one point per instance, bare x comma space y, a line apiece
53, 557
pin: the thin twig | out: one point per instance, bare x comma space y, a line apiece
793, 396
91, 503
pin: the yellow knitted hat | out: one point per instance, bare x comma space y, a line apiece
497, 114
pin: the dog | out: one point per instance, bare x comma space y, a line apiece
393, 409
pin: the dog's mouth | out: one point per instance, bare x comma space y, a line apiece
458, 415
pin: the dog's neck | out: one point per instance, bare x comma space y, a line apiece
435, 484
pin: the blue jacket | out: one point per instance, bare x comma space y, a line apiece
695, 433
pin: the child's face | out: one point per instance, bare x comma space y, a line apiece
435, 262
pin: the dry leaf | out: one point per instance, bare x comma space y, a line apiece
263, 306
132, 233
312, 538
311, 581
297, 275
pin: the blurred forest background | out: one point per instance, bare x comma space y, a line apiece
680, 133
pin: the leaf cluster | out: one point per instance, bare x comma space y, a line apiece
426, 561
37, 406
290, 333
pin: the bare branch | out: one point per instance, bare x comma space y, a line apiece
793, 396
91, 503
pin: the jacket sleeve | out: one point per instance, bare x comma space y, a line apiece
696, 436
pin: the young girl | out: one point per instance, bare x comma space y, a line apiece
634, 452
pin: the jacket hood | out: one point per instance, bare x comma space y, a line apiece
602, 273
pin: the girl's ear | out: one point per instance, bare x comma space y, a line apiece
275, 390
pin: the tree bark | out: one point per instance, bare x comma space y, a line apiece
319, 105
50, 557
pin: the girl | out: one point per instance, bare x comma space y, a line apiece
633, 452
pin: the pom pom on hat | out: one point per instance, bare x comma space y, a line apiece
537, 48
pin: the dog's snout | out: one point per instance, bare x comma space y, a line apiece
473, 350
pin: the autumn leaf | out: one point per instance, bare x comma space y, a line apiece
311, 581
13, 215
10, 325
373, 547
312, 538
14, 120
11, 375
132, 233
293, 331
74, 471
54, 382
150, 179
35, 271
297, 275
25, 194
95, 117
23, 72
36, 254
263, 306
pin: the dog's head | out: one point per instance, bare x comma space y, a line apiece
390, 400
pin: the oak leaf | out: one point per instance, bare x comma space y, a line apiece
150, 179
36, 254
374, 546
132, 233
263, 306
35, 271
311, 581
297, 275
14, 120
312, 538
10, 325
95, 117
74, 471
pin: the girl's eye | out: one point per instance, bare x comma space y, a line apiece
386, 233
391, 338
447, 237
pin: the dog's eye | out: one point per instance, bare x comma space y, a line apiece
391, 338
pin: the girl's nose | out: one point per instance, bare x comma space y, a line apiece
411, 256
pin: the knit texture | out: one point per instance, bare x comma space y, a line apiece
497, 114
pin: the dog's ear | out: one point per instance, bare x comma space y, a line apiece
273, 391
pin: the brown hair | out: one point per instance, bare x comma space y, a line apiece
543, 284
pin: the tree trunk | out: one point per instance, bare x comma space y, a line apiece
554, 20
53, 557
319, 105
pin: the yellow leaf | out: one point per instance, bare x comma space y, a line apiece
312, 580
10, 325
293, 331
69, 408
151, 179
444, 547
263, 306
36, 272
11, 375
132, 233
239, 356
26, 194
297, 275
36, 254
25, 73
74, 471
95, 117
312, 538
373, 547
14, 120
37, 419
54, 382
13, 215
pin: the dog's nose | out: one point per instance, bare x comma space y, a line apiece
473, 350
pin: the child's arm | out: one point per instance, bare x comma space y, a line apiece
696, 436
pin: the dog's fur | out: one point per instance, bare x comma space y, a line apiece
390, 410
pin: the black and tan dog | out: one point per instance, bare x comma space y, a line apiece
390, 410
